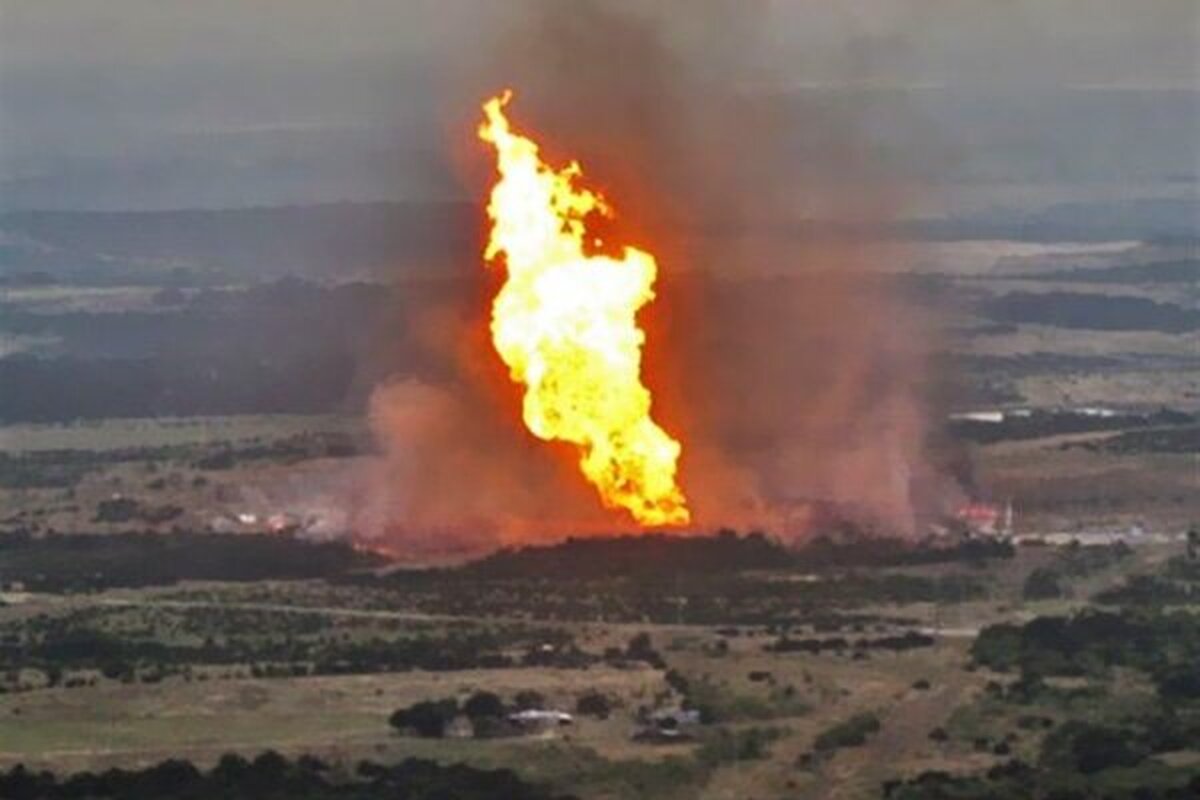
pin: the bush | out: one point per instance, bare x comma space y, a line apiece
676, 680
851, 733
273, 777
427, 718
1043, 584
1091, 748
1179, 684
1090, 641
483, 705
594, 704
640, 649
118, 509
736, 745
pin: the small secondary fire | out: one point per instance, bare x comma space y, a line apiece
565, 324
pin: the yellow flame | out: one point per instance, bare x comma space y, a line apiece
565, 324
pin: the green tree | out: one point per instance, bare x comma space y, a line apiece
483, 705
593, 704
427, 718
1043, 584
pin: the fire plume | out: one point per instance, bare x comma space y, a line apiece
565, 324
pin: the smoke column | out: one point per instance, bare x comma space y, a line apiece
778, 349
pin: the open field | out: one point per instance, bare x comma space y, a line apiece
194, 473
830, 673
1060, 485
600, 400
345, 715
300, 472
772, 706
126, 434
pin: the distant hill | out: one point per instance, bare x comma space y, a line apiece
284, 346
1165, 219
387, 240
339, 240
1092, 312
1180, 271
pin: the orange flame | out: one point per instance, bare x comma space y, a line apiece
565, 325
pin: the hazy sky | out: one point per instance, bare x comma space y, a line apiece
226, 100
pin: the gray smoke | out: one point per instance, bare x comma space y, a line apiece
779, 351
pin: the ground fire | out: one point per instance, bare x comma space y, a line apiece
565, 324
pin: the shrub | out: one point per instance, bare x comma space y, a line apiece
748, 744
1091, 748
1043, 584
850, 733
677, 681
482, 705
426, 718
1179, 684
640, 649
118, 509
594, 704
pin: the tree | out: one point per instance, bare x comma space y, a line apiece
851, 733
1091, 748
482, 705
676, 680
1179, 684
230, 770
1043, 584
118, 509
427, 718
168, 778
640, 649
593, 704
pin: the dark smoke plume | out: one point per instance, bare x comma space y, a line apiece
779, 350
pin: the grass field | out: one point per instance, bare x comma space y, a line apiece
934, 708
112, 434
792, 696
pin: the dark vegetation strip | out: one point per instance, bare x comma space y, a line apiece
725, 552
1177, 583
1160, 440
906, 641
69, 388
1179, 271
673, 598
717, 580
1092, 312
1164, 645
1036, 424
89, 562
722, 580
1111, 758
274, 777
634, 566
69, 650
1078, 761
62, 469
